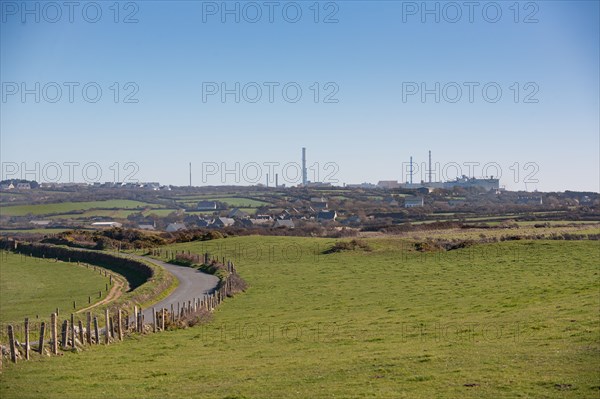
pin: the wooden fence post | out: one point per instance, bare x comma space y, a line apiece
11, 342
89, 327
107, 327
119, 323
72, 330
162, 321
26, 338
63, 334
81, 340
96, 332
41, 341
172, 314
54, 333
153, 319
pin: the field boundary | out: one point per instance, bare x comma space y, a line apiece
116, 323
146, 279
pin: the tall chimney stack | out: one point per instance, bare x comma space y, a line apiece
276, 180
190, 174
411, 170
429, 166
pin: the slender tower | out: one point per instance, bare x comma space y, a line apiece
276, 180
190, 174
411, 170
429, 166
304, 177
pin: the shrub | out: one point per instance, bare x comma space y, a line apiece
354, 245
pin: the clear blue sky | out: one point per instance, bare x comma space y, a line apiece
373, 55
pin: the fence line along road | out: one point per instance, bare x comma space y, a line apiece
192, 284
197, 292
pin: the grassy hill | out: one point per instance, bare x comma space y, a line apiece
34, 286
513, 319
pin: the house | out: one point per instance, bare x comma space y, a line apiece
326, 216
246, 223
237, 213
173, 227
8, 186
585, 200
222, 222
106, 225
147, 225
41, 222
388, 184
413, 202
196, 220
317, 200
262, 220
201, 222
319, 206
23, 186
206, 206
285, 215
287, 223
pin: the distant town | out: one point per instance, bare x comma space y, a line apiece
29, 207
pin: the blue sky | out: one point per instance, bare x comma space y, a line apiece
366, 62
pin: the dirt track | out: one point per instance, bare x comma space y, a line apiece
115, 293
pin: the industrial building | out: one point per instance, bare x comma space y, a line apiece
464, 181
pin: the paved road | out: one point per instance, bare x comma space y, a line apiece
192, 284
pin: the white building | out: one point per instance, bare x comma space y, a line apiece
106, 224
413, 202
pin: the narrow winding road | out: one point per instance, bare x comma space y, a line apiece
192, 284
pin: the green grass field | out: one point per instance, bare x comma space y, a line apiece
108, 213
515, 319
231, 201
33, 286
59, 208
